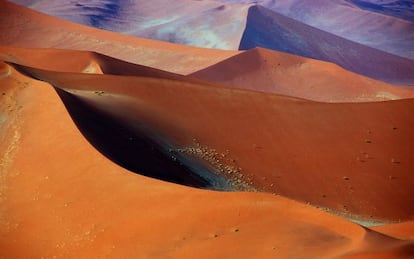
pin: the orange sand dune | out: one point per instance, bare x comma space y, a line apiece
23, 27
404, 230
60, 197
63, 192
352, 158
277, 72
258, 69
81, 62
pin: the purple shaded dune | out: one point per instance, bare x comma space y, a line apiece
265, 28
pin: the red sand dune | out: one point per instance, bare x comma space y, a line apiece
85, 62
60, 197
22, 27
404, 230
352, 158
277, 72
258, 69
63, 195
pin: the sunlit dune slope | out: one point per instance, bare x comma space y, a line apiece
220, 23
365, 42
404, 230
22, 27
60, 197
277, 72
352, 158
258, 69
81, 62
104, 137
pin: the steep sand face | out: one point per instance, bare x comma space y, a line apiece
352, 158
22, 27
60, 197
277, 72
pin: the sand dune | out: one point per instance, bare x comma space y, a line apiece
277, 72
336, 31
403, 230
346, 19
337, 148
257, 69
81, 62
269, 29
371, 23
121, 147
95, 208
23, 27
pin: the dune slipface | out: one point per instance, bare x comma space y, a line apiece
122, 147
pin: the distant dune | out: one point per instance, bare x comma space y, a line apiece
268, 29
277, 72
22, 27
257, 69
357, 35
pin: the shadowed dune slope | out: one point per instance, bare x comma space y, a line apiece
80, 204
346, 19
268, 29
352, 158
403, 9
22, 27
277, 72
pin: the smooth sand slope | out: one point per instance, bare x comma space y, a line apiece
81, 62
80, 204
269, 29
352, 158
22, 27
277, 72
220, 23
337, 31
207, 24
257, 69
